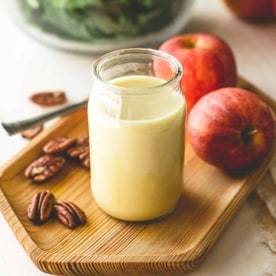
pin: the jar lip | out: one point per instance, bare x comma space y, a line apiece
116, 54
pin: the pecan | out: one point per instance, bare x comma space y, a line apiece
69, 214
81, 151
59, 145
85, 158
32, 132
44, 167
41, 207
50, 98
84, 140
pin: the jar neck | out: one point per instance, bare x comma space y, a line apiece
141, 63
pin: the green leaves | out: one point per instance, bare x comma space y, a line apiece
91, 20
33, 3
72, 4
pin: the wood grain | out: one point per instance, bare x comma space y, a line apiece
106, 246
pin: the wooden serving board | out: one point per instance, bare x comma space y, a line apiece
106, 246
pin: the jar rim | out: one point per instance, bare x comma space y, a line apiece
127, 52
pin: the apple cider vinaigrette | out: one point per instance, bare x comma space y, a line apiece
136, 127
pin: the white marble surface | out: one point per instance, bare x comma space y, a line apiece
247, 246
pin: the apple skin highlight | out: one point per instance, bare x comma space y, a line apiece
231, 128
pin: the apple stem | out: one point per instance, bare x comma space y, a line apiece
252, 132
247, 134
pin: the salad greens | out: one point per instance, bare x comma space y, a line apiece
90, 20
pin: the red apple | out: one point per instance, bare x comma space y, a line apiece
208, 63
231, 128
252, 10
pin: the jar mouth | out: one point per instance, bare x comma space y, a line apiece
158, 63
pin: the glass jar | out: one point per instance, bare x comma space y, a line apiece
136, 115
102, 25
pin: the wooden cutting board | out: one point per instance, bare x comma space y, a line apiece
106, 246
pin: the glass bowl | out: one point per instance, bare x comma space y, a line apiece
98, 26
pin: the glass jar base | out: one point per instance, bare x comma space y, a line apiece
127, 216
141, 220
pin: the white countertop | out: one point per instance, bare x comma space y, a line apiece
247, 246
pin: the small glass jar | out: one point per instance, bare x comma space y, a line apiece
136, 115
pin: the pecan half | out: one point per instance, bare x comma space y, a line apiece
69, 214
59, 145
32, 132
50, 98
44, 167
41, 207
81, 151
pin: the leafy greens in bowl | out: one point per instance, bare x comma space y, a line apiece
90, 22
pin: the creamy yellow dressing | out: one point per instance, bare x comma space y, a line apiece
137, 161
